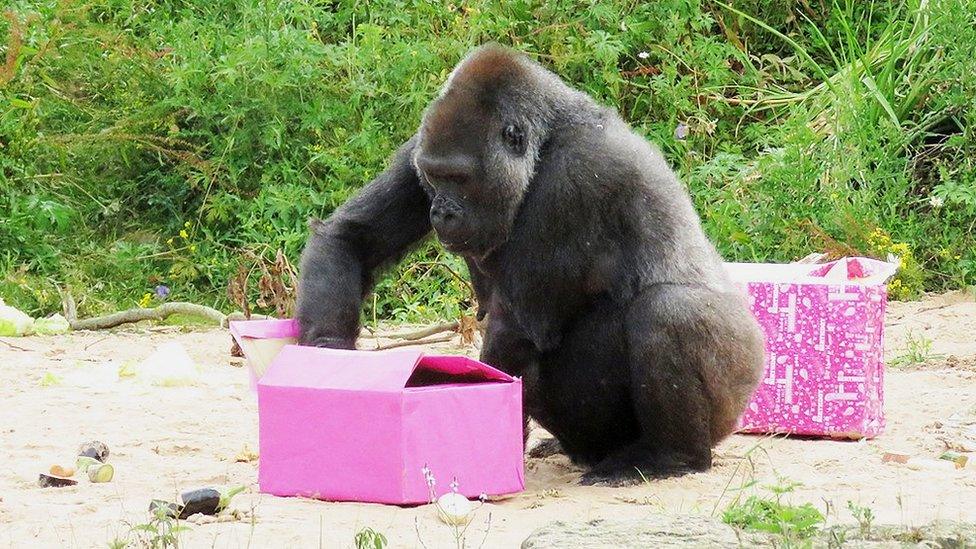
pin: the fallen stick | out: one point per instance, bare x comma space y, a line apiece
422, 333
409, 342
192, 309
156, 313
15, 347
233, 317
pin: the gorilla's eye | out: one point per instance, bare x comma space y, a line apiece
514, 138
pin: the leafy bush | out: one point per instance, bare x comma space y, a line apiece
771, 514
145, 142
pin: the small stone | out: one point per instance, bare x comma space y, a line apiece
454, 509
200, 518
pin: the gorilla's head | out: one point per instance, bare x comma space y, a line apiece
479, 143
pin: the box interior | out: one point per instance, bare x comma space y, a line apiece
430, 372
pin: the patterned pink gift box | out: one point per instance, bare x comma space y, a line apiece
824, 328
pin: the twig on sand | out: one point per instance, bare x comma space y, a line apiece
15, 347
422, 333
96, 342
416, 337
233, 317
409, 342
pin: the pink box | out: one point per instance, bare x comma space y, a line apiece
824, 328
362, 425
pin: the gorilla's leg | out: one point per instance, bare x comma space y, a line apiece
581, 393
695, 358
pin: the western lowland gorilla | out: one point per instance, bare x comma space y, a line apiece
600, 287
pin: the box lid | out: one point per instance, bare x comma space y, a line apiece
271, 328
382, 371
849, 270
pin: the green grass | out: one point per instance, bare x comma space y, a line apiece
367, 538
918, 350
187, 320
147, 142
791, 523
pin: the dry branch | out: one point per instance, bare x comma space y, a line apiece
422, 333
156, 313
234, 317
68, 306
14, 347
407, 343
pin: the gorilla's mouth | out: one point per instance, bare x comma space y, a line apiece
469, 244
456, 246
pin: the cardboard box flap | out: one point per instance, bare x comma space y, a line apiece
851, 270
443, 370
264, 329
320, 368
856, 269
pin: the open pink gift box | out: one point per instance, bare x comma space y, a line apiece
362, 425
824, 328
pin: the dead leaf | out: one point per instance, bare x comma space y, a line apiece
467, 327
246, 455
890, 457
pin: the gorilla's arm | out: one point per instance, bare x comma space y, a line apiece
373, 228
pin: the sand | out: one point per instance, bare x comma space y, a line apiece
167, 439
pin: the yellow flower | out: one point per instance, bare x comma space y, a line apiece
957, 257
146, 299
944, 253
170, 241
901, 248
187, 224
193, 247
896, 283
183, 234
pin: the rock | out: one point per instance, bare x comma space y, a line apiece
649, 531
943, 534
701, 531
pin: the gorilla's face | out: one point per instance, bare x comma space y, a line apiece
476, 160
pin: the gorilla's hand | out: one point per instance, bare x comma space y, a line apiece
326, 341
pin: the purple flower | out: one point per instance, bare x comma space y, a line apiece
681, 131
162, 292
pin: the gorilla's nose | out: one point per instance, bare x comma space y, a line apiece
455, 167
445, 216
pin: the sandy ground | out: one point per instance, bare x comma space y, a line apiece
167, 439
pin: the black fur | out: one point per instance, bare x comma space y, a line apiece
600, 287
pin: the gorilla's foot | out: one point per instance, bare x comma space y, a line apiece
546, 448
634, 465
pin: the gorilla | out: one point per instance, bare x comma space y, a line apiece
586, 255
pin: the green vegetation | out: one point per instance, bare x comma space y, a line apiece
367, 538
792, 523
181, 142
918, 350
